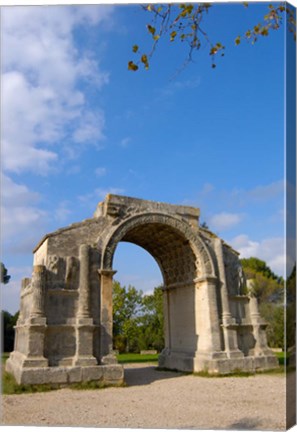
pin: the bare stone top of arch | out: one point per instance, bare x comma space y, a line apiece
118, 205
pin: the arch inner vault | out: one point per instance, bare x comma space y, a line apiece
64, 331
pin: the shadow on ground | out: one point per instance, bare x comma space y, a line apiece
144, 375
245, 424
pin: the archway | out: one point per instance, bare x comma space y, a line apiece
137, 301
64, 330
185, 263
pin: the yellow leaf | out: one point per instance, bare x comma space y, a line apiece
132, 66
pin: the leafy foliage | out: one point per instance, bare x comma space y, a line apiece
4, 276
183, 22
8, 322
137, 319
271, 21
270, 294
126, 308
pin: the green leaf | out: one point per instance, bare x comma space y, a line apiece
156, 37
132, 66
135, 48
237, 40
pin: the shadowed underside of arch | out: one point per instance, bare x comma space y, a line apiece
64, 330
179, 250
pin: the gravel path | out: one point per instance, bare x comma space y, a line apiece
155, 399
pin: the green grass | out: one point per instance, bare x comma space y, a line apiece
137, 358
9, 386
283, 357
4, 357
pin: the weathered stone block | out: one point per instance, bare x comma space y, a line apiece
92, 373
75, 374
113, 373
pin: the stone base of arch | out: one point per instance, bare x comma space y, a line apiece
216, 363
26, 372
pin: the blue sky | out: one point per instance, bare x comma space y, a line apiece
76, 125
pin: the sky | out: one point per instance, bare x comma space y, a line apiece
77, 124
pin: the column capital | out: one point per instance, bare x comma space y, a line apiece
206, 278
107, 272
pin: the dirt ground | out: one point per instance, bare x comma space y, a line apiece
156, 399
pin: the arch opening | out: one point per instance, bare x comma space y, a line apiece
136, 267
178, 264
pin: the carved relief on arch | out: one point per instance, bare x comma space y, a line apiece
204, 263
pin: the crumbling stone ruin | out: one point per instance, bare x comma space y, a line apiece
64, 331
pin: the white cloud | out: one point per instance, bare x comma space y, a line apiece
91, 199
42, 104
224, 221
260, 194
22, 222
62, 211
90, 128
271, 250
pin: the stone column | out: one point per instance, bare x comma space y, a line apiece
208, 327
35, 332
259, 326
84, 322
106, 318
37, 314
167, 336
84, 284
228, 323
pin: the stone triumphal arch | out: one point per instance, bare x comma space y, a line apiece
64, 330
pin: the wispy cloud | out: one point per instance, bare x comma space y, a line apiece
63, 211
125, 142
176, 86
22, 222
43, 104
224, 221
100, 171
271, 250
91, 199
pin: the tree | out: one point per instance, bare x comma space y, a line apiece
183, 22
137, 319
126, 309
274, 314
8, 322
269, 290
4, 276
267, 286
152, 321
